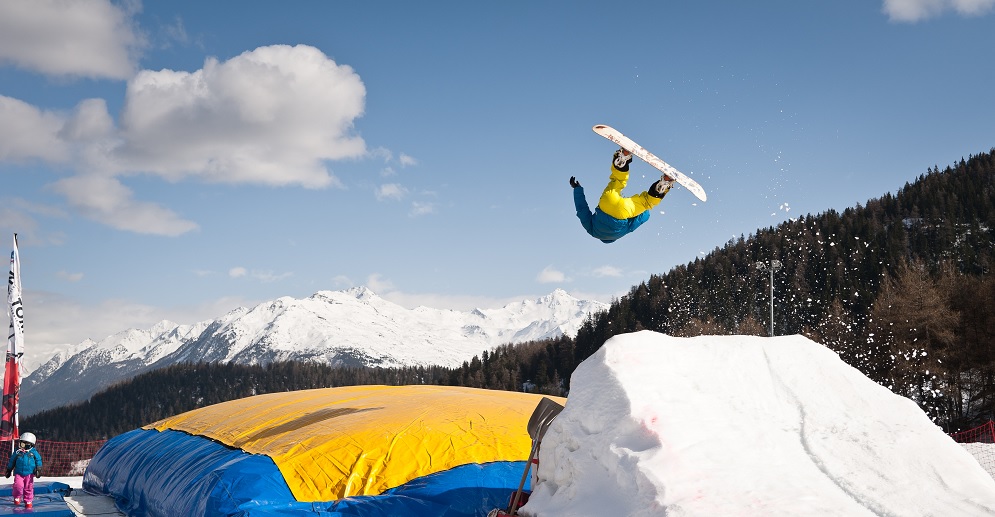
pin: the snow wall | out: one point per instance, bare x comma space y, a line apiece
349, 451
738, 425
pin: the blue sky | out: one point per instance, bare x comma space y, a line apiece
175, 160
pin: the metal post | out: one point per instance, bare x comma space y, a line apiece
774, 266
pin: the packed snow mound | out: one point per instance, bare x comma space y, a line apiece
741, 425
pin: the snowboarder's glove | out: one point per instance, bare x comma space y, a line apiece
9, 472
621, 160
573, 182
37, 473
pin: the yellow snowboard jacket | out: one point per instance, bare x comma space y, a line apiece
615, 216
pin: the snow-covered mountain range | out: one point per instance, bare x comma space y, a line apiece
351, 327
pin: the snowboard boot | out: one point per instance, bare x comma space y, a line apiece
660, 187
621, 160
17, 501
27, 504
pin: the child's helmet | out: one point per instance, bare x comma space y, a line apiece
28, 437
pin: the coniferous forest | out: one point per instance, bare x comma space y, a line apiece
901, 288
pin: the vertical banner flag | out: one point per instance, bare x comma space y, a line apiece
15, 348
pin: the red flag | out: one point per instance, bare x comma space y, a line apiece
8, 409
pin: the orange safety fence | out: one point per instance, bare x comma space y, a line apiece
59, 459
980, 442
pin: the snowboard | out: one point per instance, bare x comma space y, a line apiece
650, 158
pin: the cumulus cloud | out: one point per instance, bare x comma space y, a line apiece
27, 132
917, 10
550, 275
272, 116
82, 38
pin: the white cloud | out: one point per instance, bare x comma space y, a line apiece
604, 271
382, 153
19, 216
421, 208
549, 275
465, 302
378, 284
27, 132
917, 10
255, 274
269, 276
13, 220
392, 191
89, 122
82, 38
407, 161
342, 282
448, 301
174, 33
272, 116
973, 7
104, 199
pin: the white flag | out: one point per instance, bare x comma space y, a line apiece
15, 307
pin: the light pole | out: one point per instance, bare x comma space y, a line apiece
774, 266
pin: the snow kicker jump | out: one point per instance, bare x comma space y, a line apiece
626, 143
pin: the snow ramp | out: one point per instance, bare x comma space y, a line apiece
747, 426
348, 451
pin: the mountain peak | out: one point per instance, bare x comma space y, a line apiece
354, 327
361, 292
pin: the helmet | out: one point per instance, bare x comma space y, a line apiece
28, 437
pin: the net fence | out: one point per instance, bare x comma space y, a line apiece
980, 442
59, 459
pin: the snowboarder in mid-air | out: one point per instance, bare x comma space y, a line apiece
616, 216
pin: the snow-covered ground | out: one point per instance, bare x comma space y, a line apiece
735, 425
739, 425
84, 504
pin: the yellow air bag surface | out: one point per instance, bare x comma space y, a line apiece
361, 440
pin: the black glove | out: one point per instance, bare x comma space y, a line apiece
37, 473
573, 182
9, 472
